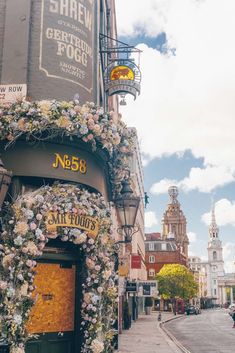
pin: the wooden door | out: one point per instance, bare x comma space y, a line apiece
52, 317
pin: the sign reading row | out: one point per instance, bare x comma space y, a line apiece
11, 93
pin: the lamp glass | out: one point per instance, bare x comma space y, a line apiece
127, 211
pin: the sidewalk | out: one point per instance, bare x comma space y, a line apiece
145, 336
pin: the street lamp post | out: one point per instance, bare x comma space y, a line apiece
127, 206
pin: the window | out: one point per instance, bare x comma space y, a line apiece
163, 246
152, 259
151, 246
214, 291
151, 272
214, 255
214, 281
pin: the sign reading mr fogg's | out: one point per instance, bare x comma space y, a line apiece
66, 43
87, 223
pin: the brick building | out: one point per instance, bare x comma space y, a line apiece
159, 252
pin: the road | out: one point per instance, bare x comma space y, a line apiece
209, 332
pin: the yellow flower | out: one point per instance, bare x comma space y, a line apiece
45, 107
21, 124
21, 228
63, 122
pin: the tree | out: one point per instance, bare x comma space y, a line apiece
176, 280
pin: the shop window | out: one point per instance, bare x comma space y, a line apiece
152, 259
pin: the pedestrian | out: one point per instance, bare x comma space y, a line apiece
233, 317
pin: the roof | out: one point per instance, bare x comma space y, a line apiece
153, 236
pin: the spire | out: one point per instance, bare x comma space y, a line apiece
213, 229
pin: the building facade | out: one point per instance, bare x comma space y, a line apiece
51, 142
213, 268
160, 252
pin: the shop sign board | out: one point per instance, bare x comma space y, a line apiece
124, 265
74, 220
148, 289
135, 261
12, 93
66, 42
56, 161
131, 287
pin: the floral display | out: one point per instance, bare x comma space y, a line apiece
24, 236
43, 120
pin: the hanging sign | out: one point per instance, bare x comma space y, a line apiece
124, 266
74, 220
122, 78
135, 261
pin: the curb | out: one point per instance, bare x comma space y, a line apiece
172, 338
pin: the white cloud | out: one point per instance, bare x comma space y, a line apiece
192, 237
162, 187
150, 219
187, 100
229, 256
224, 213
201, 179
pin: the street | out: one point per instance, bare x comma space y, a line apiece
210, 332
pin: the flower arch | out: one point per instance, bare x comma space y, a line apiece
46, 120
25, 234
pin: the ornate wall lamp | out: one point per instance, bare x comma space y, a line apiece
127, 206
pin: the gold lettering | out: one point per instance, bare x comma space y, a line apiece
75, 164
58, 161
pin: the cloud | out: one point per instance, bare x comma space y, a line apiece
162, 186
224, 213
150, 219
187, 99
229, 256
192, 237
201, 179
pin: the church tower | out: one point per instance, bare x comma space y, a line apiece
174, 222
215, 257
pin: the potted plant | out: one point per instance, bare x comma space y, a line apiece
148, 305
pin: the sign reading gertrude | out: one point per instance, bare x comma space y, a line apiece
89, 224
66, 43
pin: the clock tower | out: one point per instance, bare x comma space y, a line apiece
174, 222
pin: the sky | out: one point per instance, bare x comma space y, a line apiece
185, 114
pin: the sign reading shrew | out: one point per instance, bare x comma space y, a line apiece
66, 46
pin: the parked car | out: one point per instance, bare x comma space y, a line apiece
231, 309
193, 309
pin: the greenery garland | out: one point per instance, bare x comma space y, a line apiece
44, 120
23, 238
